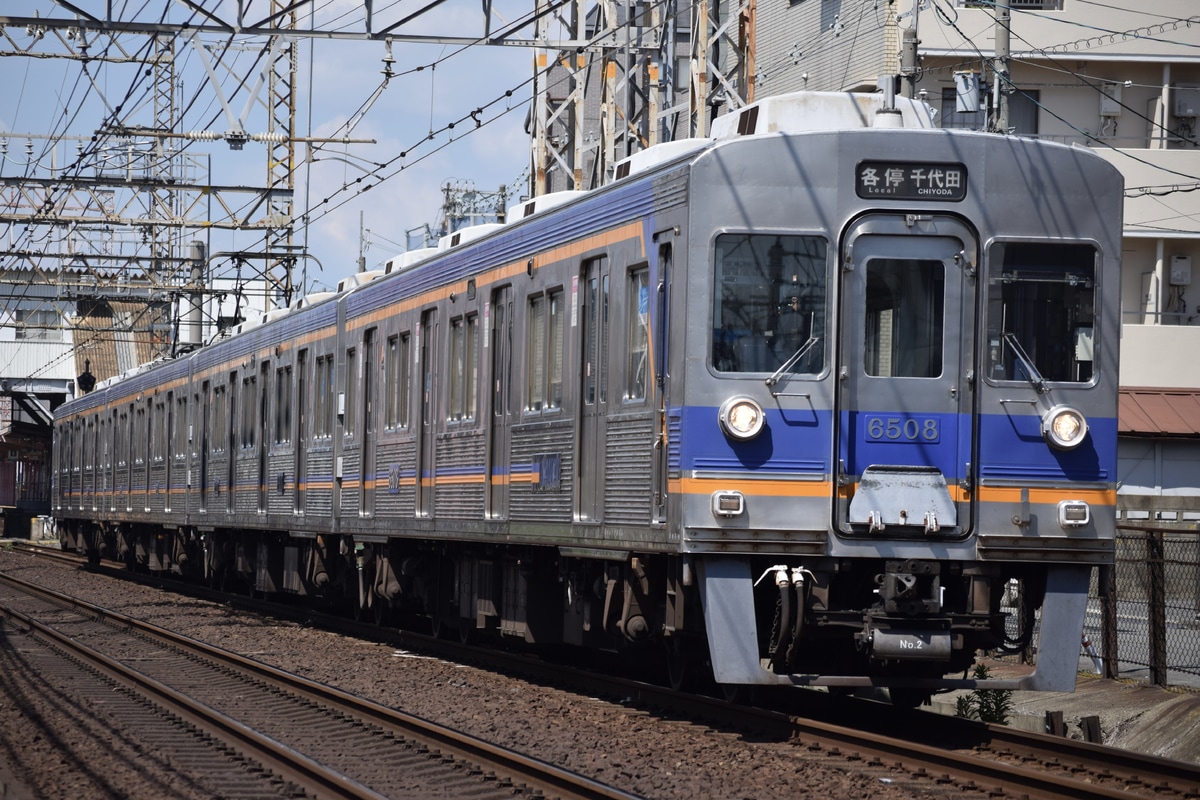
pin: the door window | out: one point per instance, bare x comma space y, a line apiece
904, 319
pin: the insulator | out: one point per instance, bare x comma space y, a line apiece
203, 136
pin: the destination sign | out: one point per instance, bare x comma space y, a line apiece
910, 180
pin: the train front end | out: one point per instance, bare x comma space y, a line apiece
896, 446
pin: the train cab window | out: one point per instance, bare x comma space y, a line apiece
545, 354
464, 351
1041, 312
769, 303
638, 307
904, 319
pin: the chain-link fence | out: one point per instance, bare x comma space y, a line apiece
1144, 612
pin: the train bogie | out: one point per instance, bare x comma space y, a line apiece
812, 399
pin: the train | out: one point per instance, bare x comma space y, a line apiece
803, 403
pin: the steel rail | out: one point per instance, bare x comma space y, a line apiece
519, 768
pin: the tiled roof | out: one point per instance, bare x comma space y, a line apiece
1159, 412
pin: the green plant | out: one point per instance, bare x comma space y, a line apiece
986, 705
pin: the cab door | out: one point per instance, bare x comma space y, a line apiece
905, 374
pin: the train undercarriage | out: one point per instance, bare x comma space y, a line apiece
826, 619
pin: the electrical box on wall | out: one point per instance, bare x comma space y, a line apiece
1181, 270
1186, 99
1110, 100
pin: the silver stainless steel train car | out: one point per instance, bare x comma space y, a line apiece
796, 404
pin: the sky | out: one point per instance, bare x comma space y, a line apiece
335, 82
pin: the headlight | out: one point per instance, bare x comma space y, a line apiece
1064, 427
741, 418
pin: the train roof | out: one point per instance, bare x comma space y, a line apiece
791, 113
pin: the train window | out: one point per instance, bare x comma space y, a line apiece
180, 434
595, 350
283, 405
1041, 312
139, 451
249, 403
323, 398
220, 419
535, 393
544, 388
769, 303
395, 367
349, 419
464, 348
638, 305
904, 319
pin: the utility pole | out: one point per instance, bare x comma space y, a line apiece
908, 55
1000, 68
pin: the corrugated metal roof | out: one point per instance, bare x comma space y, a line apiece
106, 339
1159, 412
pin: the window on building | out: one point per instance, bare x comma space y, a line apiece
1027, 5
42, 324
1023, 108
951, 117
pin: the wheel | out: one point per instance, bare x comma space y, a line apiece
381, 611
736, 693
904, 697
682, 666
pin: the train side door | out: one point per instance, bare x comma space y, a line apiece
593, 395
301, 451
905, 378
499, 339
206, 412
426, 352
366, 494
262, 432
232, 422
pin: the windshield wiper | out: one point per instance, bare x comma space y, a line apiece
791, 362
1031, 372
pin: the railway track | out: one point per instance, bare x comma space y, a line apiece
919, 751
247, 726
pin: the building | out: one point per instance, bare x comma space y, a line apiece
1120, 78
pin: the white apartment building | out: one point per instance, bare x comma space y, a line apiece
1120, 78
